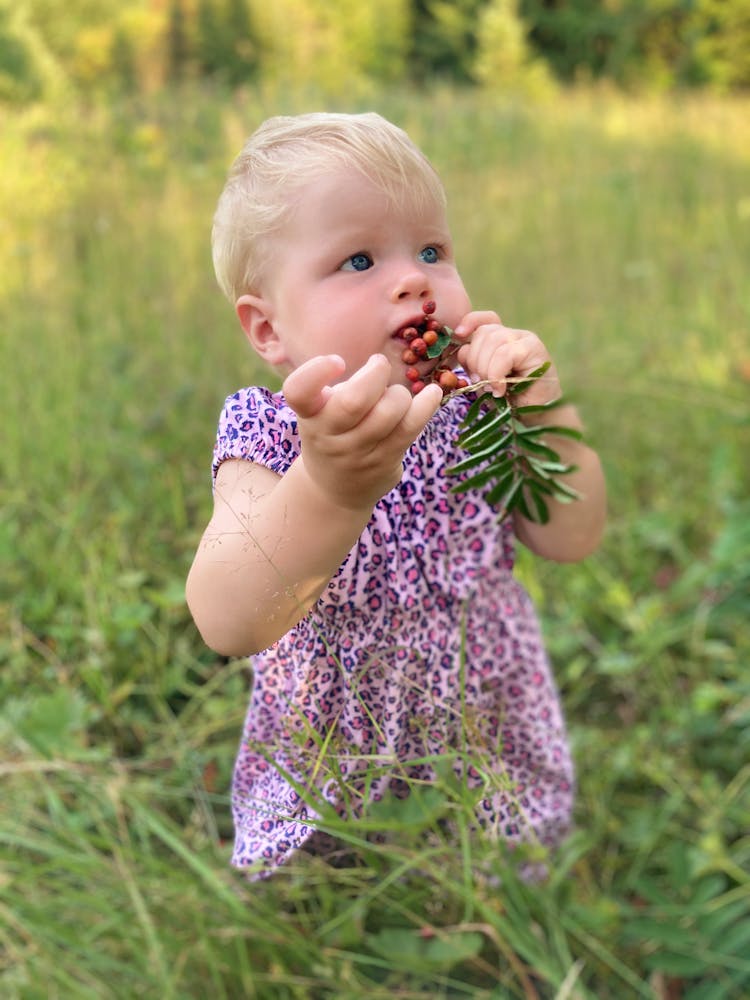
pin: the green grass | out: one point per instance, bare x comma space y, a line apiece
620, 230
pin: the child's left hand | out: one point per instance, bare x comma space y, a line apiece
493, 352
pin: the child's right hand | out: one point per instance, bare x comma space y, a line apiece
355, 432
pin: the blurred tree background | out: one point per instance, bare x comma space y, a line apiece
101, 46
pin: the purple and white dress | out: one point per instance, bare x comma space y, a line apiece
422, 640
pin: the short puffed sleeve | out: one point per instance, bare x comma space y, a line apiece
258, 426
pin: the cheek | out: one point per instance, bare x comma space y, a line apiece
455, 296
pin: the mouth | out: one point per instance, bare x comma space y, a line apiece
416, 339
428, 350
418, 323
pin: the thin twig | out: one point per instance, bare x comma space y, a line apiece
486, 383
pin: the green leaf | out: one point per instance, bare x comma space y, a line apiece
676, 965
532, 505
529, 444
569, 432
565, 493
540, 504
476, 458
457, 947
474, 410
54, 724
489, 422
504, 495
408, 948
533, 376
662, 933
485, 476
421, 808
527, 430
549, 469
541, 407
444, 340
469, 463
495, 437
736, 941
541, 487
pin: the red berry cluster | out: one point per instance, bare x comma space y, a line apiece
429, 339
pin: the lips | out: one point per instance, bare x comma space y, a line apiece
415, 321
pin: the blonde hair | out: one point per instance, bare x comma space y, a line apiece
284, 155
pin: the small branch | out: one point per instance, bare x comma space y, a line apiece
487, 383
517, 467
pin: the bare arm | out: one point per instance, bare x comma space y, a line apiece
273, 543
494, 352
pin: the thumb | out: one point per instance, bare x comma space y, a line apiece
308, 387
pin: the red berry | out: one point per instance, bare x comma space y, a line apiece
462, 383
409, 332
448, 380
430, 338
433, 324
417, 386
409, 357
419, 347
428, 307
412, 374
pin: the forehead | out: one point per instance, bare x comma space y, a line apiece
347, 195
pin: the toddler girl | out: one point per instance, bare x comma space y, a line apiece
380, 609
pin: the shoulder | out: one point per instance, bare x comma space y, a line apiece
254, 405
257, 425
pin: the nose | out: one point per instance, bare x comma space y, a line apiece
411, 283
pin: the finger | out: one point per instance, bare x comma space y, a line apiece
350, 401
473, 320
476, 355
308, 387
520, 356
383, 418
423, 408
497, 360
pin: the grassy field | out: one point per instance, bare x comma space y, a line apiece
619, 229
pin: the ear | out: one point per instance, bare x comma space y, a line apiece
257, 320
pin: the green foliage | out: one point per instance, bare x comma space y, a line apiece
177, 42
225, 41
344, 46
722, 42
639, 44
519, 469
25, 67
504, 61
444, 39
338, 47
119, 727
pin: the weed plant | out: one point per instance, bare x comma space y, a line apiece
618, 228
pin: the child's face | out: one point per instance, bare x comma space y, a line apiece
352, 269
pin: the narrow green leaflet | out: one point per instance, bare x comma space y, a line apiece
520, 387
492, 473
502, 487
533, 505
483, 428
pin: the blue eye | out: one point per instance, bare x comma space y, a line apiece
429, 255
357, 262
